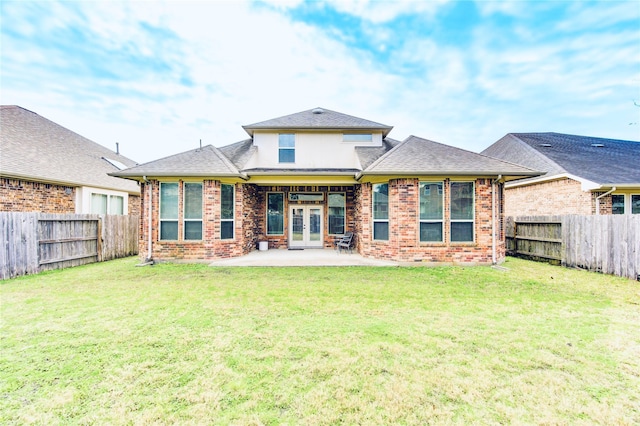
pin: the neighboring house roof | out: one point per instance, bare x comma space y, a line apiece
205, 161
597, 160
37, 149
418, 156
317, 119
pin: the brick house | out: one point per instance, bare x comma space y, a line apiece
583, 175
47, 168
302, 180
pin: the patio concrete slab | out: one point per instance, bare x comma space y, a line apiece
306, 257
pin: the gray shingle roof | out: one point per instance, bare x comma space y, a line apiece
205, 161
318, 118
599, 160
35, 148
418, 156
368, 155
239, 153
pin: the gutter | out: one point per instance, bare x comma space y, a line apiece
600, 196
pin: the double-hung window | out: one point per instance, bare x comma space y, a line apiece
227, 213
192, 211
431, 211
98, 203
381, 211
168, 211
116, 204
462, 211
286, 148
336, 213
635, 203
275, 213
617, 204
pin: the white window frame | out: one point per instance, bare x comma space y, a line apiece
186, 220
287, 148
441, 220
373, 213
233, 216
161, 219
473, 213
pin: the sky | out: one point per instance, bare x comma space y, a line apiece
160, 78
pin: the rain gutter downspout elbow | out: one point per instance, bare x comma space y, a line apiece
600, 196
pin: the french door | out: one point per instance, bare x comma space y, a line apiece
305, 226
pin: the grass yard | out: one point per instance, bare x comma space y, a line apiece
112, 343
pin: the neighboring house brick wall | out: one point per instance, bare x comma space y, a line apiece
564, 196
18, 195
404, 245
134, 205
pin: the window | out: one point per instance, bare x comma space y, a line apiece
462, 196
192, 211
635, 204
287, 148
116, 204
617, 204
336, 213
431, 211
98, 204
381, 211
168, 211
227, 212
275, 213
357, 137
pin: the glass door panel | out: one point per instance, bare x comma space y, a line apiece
315, 224
297, 224
305, 227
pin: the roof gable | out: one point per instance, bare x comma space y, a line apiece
38, 149
418, 156
317, 119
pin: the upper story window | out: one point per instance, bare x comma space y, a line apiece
286, 148
357, 137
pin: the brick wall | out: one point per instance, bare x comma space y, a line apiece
564, 196
18, 195
404, 243
134, 205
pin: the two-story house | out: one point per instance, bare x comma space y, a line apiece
302, 180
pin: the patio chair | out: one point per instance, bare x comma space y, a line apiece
346, 242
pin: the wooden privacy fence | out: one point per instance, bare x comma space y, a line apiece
35, 242
606, 243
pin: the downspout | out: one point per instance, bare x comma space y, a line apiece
493, 220
149, 258
600, 196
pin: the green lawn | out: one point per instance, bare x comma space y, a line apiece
113, 343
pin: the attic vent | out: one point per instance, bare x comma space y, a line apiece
546, 145
317, 111
597, 145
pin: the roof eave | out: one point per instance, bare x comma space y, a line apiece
140, 177
250, 129
504, 175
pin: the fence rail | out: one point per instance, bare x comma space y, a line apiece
35, 242
606, 243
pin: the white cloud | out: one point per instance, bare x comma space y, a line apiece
385, 11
